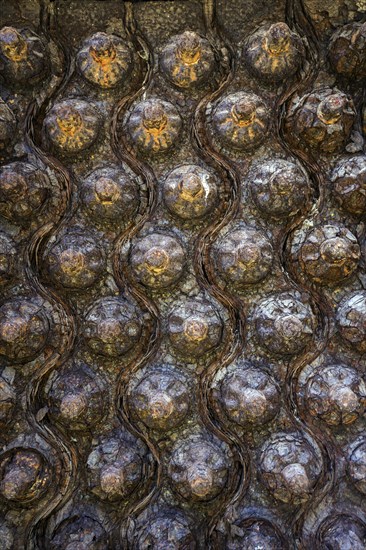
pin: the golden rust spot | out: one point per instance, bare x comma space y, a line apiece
247, 256
330, 109
105, 59
189, 55
191, 187
106, 190
335, 251
277, 40
189, 48
243, 113
13, 44
154, 118
195, 329
72, 262
156, 260
70, 122
103, 55
155, 124
200, 479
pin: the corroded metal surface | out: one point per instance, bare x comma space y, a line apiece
183, 304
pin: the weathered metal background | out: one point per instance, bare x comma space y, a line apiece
183, 307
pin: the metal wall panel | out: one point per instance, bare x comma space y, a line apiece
182, 269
